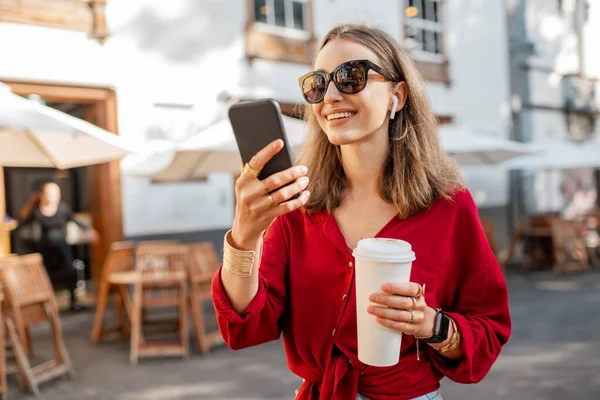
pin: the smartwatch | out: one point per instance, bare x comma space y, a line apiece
440, 328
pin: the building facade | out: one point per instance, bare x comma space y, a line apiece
157, 71
555, 95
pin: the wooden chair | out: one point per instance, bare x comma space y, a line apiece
148, 245
568, 246
160, 280
27, 287
119, 259
35, 312
202, 266
13, 350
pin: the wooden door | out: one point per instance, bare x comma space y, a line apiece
104, 183
104, 180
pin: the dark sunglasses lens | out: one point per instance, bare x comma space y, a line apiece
314, 88
351, 78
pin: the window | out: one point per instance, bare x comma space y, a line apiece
423, 29
280, 30
282, 13
424, 37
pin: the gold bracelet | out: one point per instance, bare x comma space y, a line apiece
238, 262
454, 342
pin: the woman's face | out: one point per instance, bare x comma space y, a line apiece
50, 194
368, 109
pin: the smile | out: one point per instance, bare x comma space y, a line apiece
342, 115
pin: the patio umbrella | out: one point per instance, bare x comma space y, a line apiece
35, 135
472, 148
558, 154
214, 150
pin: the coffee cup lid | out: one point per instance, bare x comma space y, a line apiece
385, 250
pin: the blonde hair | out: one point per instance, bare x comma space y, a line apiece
417, 170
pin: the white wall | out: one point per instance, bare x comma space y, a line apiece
177, 207
480, 89
197, 52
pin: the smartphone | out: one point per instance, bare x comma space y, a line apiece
255, 125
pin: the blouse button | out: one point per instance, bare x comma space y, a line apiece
333, 333
350, 265
344, 296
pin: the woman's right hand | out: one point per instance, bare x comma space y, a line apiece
258, 203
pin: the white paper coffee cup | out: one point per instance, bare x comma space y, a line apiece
378, 261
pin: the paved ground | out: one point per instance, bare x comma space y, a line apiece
554, 354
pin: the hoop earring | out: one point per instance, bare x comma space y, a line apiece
394, 105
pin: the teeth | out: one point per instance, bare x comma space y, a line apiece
331, 117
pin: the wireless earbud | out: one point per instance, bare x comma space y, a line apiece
394, 105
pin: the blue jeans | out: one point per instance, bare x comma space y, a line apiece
430, 396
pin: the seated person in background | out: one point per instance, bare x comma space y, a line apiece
50, 214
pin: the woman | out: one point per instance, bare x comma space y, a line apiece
46, 210
376, 170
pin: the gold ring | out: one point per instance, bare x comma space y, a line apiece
249, 171
421, 291
272, 201
414, 303
412, 317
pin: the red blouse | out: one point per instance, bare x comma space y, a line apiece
306, 291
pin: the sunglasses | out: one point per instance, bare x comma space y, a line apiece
349, 78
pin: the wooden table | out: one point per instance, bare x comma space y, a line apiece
154, 277
125, 279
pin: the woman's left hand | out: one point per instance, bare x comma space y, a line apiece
402, 307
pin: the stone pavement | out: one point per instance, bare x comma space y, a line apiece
554, 354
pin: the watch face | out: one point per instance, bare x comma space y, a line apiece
440, 328
444, 326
